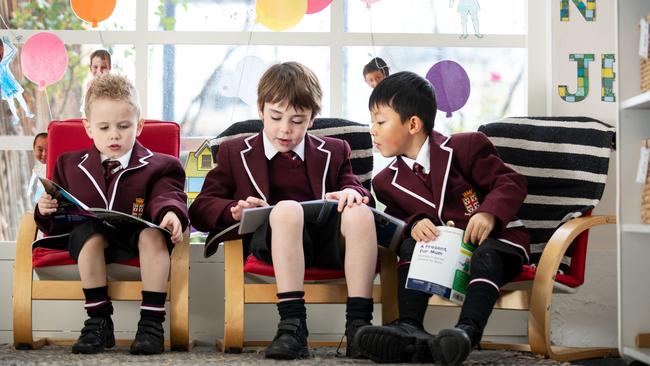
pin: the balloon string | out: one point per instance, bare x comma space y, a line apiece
372, 34
47, 101
241, 76
101, 38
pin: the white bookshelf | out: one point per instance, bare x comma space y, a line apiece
633, 235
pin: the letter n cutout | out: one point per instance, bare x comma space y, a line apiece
588, 9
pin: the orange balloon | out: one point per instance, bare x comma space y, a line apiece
93, 11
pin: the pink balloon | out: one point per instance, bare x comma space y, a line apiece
369, 2
44, 59
314, 6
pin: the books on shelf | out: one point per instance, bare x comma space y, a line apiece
389, 229
441, 267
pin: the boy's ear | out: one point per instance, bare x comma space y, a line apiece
87, 127
261, 114
415, 125
140, 126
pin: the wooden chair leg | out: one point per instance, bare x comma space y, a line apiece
179, 323
22, 285
233, 332
388, 278
539, 316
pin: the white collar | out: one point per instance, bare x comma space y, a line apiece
270, 150
124, 159
422, 158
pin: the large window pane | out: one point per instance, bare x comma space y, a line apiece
225, 16
207, 88
497, 82
436, 16
58, 15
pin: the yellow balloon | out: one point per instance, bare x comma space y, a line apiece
279, 15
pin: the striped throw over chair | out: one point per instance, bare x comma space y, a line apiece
565, 162
50, 274
238, 293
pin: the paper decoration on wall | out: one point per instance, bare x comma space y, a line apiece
93, 11
369, 2
607, 76
451, 84
314, 6
279, 15
588, 9
471, 8
582, 90
242, 82
10, 89
44, 59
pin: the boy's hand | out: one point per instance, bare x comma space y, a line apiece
250, 202
479, 228
47, 205
171, 222
347, 197
424, 230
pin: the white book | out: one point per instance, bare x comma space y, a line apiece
441, 267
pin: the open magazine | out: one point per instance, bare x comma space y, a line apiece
441, 267
70, 209
389, 229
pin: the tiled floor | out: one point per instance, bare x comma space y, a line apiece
204, 355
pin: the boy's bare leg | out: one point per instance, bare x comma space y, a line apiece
91, 262
154, 260
287, 222
358, 230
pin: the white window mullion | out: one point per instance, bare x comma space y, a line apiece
141, 53
336, 58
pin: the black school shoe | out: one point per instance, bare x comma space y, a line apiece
452, 346
150, 338
290, 341
397, 342
350, 331
96, 335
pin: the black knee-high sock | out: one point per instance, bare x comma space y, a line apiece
153, 306
293, 305
358, 308
412, 304
478, 305
98, 304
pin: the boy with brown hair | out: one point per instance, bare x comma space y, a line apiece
283, 165
116, 172
435, 179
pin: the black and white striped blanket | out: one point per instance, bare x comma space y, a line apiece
565, 162
356, 134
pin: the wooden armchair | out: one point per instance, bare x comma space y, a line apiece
69, 135
565, 162
238, 293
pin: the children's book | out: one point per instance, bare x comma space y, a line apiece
389, 229
70, 209
441, 267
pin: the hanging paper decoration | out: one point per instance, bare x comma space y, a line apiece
10, 89
314, 6
451, 85
44, 59
279, 15
369, 2
93, 11
588, 9
607, 76
242, 83
582, 90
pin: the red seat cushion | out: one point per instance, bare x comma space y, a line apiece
528, 274
46, 257
258, 267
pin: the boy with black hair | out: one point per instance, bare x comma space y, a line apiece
375, 71
433, 180
283, 165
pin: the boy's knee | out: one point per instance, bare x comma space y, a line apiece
287, 213
151, 238
485, 262
95, 242
357, 215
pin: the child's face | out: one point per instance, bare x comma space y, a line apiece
40, 149
374, 77
99, 66
390, 136
285, 126
113, 126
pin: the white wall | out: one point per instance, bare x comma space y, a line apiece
574, 315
